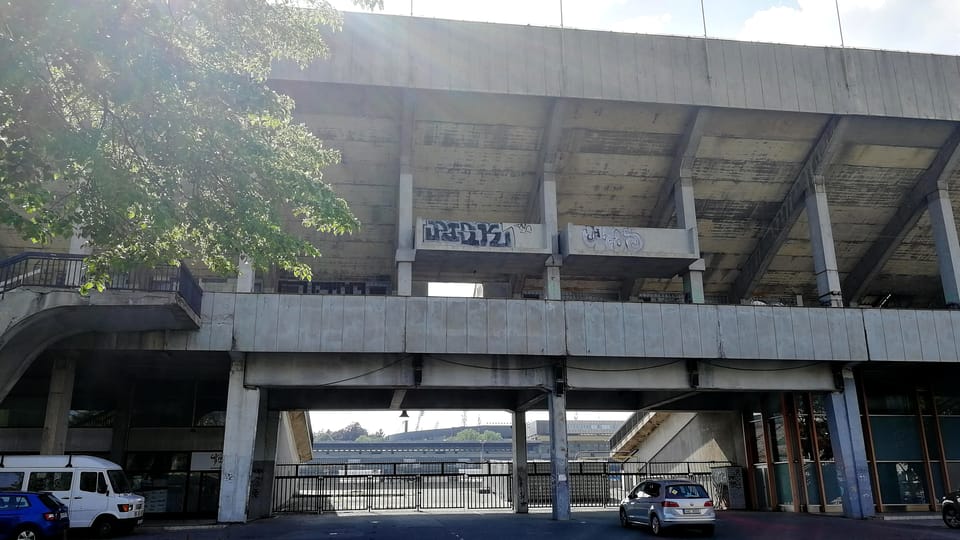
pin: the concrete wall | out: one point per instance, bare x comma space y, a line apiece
377, 324
505, 59
715, 436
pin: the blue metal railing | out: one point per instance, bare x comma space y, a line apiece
67, 271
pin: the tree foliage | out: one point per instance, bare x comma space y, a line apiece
147, 126
471, 434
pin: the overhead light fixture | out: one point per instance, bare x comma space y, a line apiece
404, 414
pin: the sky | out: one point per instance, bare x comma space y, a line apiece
931, 26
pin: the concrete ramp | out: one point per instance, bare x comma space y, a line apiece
33, 318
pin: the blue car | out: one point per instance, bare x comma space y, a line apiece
26, 515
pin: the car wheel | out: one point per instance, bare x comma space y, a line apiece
951, 516
624, 522
655, 526
25, 533
708, 530
104, 527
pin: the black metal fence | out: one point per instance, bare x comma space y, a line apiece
68, 271
313, 488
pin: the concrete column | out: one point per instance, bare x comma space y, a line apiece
548, 209
521, 478
264, 461
54, 438
559, 467
849, 450
948, 248
685, 204
121, 423
245, 275
821, 242
405, 245
243, 410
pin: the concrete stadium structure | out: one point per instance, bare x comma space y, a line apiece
762, 232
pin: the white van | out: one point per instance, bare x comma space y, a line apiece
95, 490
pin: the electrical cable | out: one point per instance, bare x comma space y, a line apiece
371, 372
488, 367
811, 364
622, 370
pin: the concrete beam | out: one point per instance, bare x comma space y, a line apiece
775, 235
405, 244
680, 167
821, 243
908, 213
396, 402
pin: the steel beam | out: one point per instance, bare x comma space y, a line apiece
775, 235
908, 213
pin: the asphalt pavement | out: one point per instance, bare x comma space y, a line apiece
585, 525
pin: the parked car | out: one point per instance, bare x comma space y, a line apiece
951, 509
661, 504
25, 515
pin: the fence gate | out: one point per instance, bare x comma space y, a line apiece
317, 488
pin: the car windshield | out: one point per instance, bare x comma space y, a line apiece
119, 481
50, 501
686, 491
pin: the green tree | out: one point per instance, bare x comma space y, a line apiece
148, 126
351, 432
471, 434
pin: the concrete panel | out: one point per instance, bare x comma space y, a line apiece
456, 324
516, 327
904, 79
938, 87
946, 339
626, 374
839, 80
662, 69
806, 100
747, 325
395, 324
856, 97
786, 77
556, 328
633, 330
783, 326
672, 331
200, 340
477, 326
311, 322
742, 65
416, 325
576, 328
497, 326
374, 323
652, 331
613, 329
709, 331
608, 60
921, 85
221, 332
729, 332
175, 340
912, 350
873, 325
949, 66
699, 76
856, 335
593, 323
536, 328
870, 75
765, 375
245, 317
331, 335
766, 333
820, 330
802, 334
572, 59
682, 91
839, 342
645, 68
888, 83
713, 54
436, 325
929, 348
892, 334
822, 88
955, 323
289, 323
627, 66
268, 321
690, 331
353, 312
769, 78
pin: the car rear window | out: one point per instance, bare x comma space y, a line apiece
49, 501
686, 491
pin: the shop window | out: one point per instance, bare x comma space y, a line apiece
896, 438
902, 483
879, 403
831, 483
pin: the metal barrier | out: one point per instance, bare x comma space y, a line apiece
318, 488
67, 271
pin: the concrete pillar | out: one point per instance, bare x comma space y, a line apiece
521, 477
548, 209
821, 242
405, 245
849, 450
245, 275
685, 204
948, 248
264, 461
54, 438
559, 467
121, 423
243, 410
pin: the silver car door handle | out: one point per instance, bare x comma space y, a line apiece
75, 498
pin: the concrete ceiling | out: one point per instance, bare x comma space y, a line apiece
475, 158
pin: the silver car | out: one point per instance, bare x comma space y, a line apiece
660, 503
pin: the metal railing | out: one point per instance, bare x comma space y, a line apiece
67, 271
316, 488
